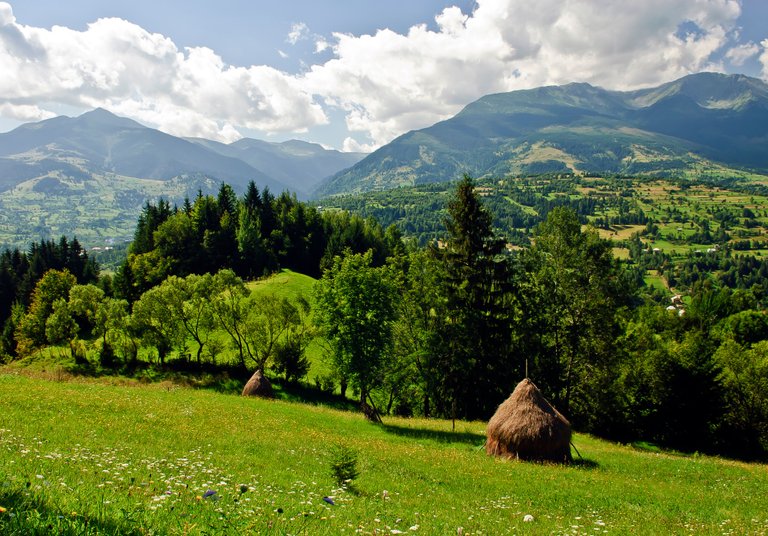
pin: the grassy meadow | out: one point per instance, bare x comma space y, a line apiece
114, 456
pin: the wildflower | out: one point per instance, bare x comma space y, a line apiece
414, 528
209, 493
3, 510
528, 518
329, 500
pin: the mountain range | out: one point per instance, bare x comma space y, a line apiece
100, 142
705, 120
89, 176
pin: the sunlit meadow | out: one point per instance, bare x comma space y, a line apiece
87, 457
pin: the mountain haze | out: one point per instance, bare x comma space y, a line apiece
702, 119
90, 175
298, 164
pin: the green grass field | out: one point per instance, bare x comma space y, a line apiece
88, 457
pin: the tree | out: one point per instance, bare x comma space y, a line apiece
60, 327
112, 326
187, 304
574, 292
290, 355
421, 312
84, 302
356, 310
153, 316
269, 318
229, 309
31, 330
744, 376
472, 352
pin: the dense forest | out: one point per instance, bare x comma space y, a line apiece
420, 329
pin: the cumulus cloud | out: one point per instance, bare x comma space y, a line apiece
24, 112
385, 83
299, 31
764, 58
741, 53
126, 69
389, 83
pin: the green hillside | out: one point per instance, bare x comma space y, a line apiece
703, 120
80, 457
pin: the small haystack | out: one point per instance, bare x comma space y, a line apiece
528, 427
259, 386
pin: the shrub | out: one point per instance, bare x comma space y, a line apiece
344, 465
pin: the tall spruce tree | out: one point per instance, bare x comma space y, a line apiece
472, 349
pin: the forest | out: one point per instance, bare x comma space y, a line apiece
421, 327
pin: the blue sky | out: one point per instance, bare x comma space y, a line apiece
351, 74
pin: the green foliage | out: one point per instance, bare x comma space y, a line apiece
252, 236
344, 465
356, 310
744, 377
53, 288
573, 302
470, 353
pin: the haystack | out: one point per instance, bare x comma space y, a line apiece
259, 386
528, 427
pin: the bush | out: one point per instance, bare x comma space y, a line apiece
344, 465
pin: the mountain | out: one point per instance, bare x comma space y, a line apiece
90, 175
703, 119
101, 142
298, 164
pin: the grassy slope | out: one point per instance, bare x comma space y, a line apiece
292, 285
78, 457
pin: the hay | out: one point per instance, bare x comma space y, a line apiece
259, 386
527, 427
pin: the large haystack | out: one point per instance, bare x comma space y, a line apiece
258, 385
526, 426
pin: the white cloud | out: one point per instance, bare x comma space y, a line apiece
741, 53
351, 145
24, 112
385, 83
389, 83
122, 67
299, 31
764, 58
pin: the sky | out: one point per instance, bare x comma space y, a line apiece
349, 74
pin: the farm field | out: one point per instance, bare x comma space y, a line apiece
676, 217
89, 457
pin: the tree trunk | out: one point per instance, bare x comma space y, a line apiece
453, 414
369, 411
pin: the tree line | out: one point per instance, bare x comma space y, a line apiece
436, 331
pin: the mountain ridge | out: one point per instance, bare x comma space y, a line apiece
700, 119
89, 176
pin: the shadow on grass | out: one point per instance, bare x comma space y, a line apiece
307, 394
467, 438
585, 463
31, 515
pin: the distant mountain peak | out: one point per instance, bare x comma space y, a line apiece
103, 117
669, 129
